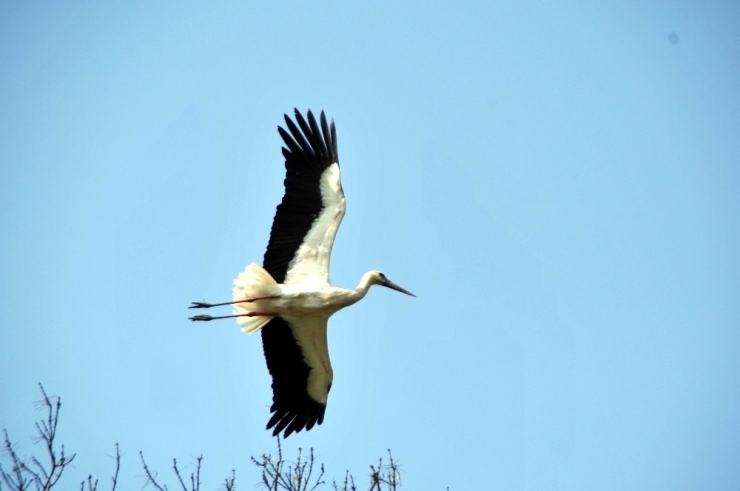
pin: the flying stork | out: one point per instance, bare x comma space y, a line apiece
290, 297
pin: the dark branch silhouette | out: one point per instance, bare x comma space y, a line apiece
25, 472
92, 485
19, 473
295, 477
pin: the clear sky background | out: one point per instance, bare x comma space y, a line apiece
559, 183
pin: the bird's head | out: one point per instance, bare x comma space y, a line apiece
378, 278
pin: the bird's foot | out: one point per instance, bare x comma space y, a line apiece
200, 305
201, 318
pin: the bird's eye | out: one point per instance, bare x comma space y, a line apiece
382, 276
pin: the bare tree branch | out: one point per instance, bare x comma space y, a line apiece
149, 477
118, 469
43, 477
277, 473
389, 475
91, 485
15, 479
194, 477
297, 476
177, 473
230, 482
348, 485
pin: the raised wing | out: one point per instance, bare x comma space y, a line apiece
307, 219
301, 239
298, 359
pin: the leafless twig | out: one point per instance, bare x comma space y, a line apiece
296, 477
348, 485
118, 469
24, 472
390, 475
230, 482
149, 477
93, 485
194, 477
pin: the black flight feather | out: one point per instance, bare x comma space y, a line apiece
308, 152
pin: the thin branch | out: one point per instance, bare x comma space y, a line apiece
389, 475
229, 483
197, 474
348, 485
44, 477
149, 477
177, 473
194, 476
298, 476
91, 486
15, 479
118, 469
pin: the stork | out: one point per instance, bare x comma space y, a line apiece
289, 298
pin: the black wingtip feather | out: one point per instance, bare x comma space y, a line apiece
298, 135
289, 141
302, 123
334, 140
316, 136
328, 144
299, 422
296, 418
317, 140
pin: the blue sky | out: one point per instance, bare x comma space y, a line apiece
559, 184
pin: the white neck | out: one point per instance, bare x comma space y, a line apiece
365, 283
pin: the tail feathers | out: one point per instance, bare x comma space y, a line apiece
253, 282
251, 325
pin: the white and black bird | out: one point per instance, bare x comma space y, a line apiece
290, 297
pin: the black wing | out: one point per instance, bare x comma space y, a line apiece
293, 407
308, 153
307, 156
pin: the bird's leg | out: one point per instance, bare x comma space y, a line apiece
248, 314
205, 305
